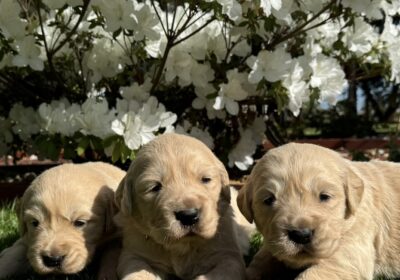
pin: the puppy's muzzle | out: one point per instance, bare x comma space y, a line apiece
52, 261
188, 217
301, 236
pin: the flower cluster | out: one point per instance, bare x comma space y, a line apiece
130, 69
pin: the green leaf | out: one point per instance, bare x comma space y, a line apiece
111, 140
95, 143
132, 156
116, 154
82, 146
269, 24
125, 153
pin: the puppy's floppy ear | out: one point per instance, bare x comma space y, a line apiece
111, 210
225, 191
245, 200
354, 190
123, 196
19, 209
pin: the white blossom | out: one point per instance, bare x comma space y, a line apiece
394, 56
177, 61
231, 92
217, 45
118, 13
57, 4
368, 8
201, 74
203, 101
311, 47
271, 66
11, 25
139, 127
54, 35
283, 14
217, 62
391, 37
146, 24
241, 49
24, 120
312, 5
59, 117
232, 8
136, 91
106, 59
95, 118
329, 77
6, 61
156, 48
28, 54
360, 38
268, 5
193, 131
298, 91
326, 34
241, 155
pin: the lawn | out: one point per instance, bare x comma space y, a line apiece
9, 233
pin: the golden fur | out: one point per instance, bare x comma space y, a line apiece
351, 208
67, 211
170, 174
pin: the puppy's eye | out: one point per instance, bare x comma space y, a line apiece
323, 197
35, 223
79, 223
156, 188
270, 200
205, 180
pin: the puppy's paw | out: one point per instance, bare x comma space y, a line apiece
142, 275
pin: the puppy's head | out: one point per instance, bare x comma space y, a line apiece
302, 198
63, 215
175, 190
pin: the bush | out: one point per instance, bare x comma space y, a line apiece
98, 79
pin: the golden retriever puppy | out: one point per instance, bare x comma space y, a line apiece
175, 214
64, 215
331, 217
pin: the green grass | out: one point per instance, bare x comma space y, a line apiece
8, 225
9, 234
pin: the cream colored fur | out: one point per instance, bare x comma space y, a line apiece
48, 215
155, 244
356, 231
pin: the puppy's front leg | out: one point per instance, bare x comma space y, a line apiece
339, 270
229, 268
13, 260
318, 272
130, 267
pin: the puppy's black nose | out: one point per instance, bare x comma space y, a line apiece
52, 261
188, 217
301, 236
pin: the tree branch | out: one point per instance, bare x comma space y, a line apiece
299, 29
194, 32
72, 32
